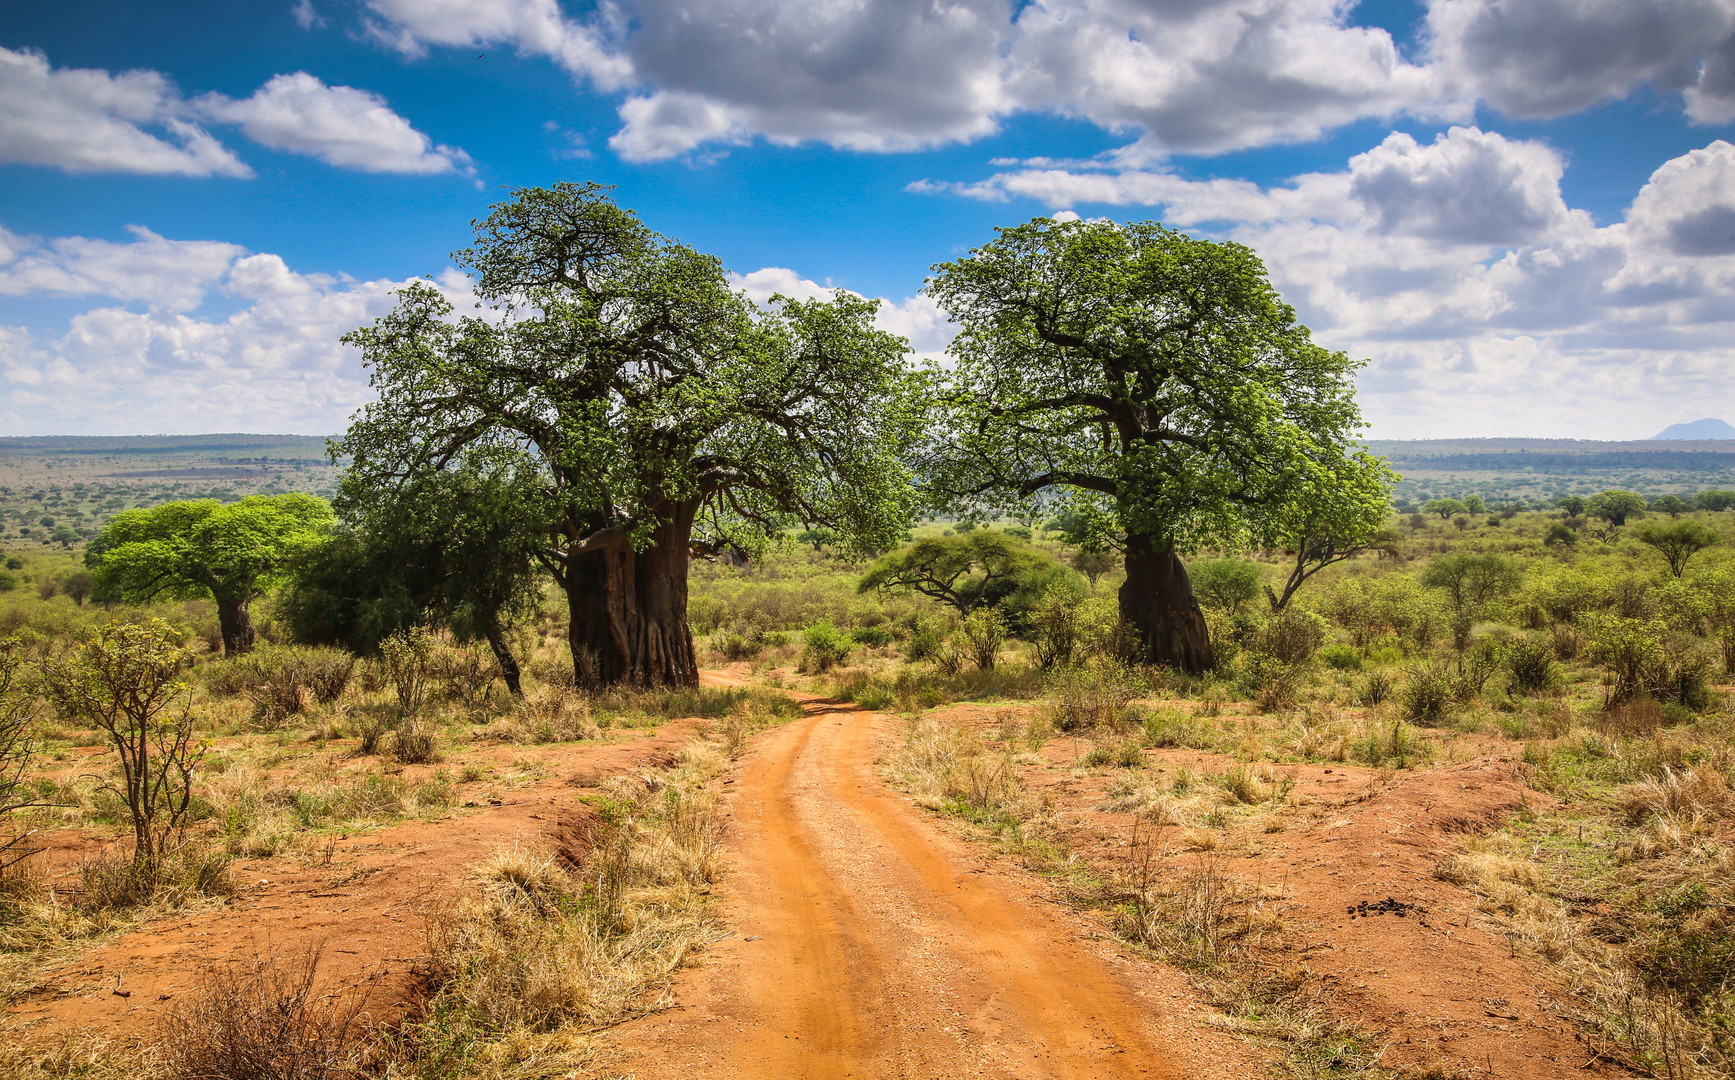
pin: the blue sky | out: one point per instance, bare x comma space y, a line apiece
1520, 212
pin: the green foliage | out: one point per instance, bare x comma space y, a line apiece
1471, 582
1341, 657
1672, 505
1055, 628
8, 582
641, 390
1715, 500
826, 647
1473, 504
982, 633
231, 553
1615, 507
874, 637
1676, 541
456, 547
1560, 534
205, 548
1426, 694
1225, 584
1444, 507
124, 679
1158, 381
1572, 504
1530, 661
984, 567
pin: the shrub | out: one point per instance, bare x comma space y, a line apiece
983, 632
1086, 698
1426, 694
406, 659
1377, 688
1055, 630
826, 647
263, 1021
1226, 584
1531, 664
873, 637
124, 678
1341, 657
1292, 636
413, 745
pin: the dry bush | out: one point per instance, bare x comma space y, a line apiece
462, 673
543, 717
264, 1020
948, 767
1694, 794
1087, 698
413, 744
180, 875
544, 947
1639, 716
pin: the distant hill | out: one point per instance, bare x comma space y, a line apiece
1698, 429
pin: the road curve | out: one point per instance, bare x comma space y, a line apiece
880, 948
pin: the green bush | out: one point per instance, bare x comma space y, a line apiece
1426, 694
1341, 657
826, 647
1530, 662
874, 637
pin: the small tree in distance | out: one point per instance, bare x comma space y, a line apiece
232, 554
1615, 507
1672, 505
1676, 541
1444, 507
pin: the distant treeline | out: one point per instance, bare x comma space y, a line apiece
1568, 463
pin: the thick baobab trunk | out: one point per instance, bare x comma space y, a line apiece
629, 612
236, 625
1157, 601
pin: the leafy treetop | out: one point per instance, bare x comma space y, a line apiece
623, 369
1157, 380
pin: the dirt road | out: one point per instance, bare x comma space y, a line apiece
871, 944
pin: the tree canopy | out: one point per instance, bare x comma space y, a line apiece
1615, 507
231, 552
457, 547
981, 568
1676, 541
663, 414
1161, 387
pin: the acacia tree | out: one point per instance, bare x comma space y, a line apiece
664, 415
983, 566
1160, 384
232, 553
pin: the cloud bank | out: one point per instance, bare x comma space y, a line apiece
90, 121
1487, 305
1189, 77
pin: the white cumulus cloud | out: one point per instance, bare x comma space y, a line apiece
274, 364
1182, 77
1486, 304
86, 120
339, 125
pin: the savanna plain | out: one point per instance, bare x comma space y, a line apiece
1459, 807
